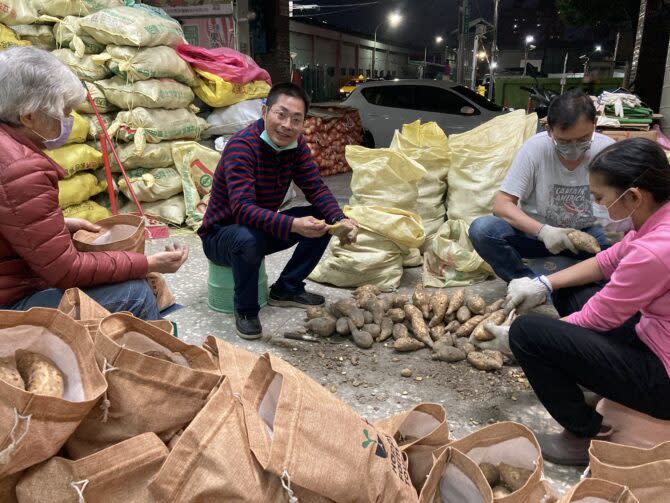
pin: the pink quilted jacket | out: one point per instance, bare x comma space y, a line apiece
36, 250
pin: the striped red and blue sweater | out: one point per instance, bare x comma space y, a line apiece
252, 180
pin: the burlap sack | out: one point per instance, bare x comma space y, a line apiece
455, 477
235, 363
83, 309
645, 471
118, 233
418, 432
34, 427
598, 491
8, 487
298, 430
145, 394
118, 474
515, 445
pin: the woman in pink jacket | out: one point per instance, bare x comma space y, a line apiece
614, 337
37, 257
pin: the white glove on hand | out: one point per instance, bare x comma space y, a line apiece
556, 239
501, 341
525, 293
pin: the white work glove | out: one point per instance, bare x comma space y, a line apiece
501, 341
526, 293
556, 239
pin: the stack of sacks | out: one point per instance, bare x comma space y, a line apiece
9, 38
15, 13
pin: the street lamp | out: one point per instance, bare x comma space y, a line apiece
529, 40
438, 39
599, 48
394, 19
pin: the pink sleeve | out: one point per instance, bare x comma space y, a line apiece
639, 279
609, 259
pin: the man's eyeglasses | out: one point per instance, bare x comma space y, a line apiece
296, 121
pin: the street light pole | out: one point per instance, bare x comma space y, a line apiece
529, 40
494, 48
394, 19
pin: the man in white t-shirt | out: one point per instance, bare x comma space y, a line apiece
549, 178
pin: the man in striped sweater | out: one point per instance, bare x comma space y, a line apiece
242, 223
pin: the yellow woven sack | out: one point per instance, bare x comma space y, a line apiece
76, 158
88, 210
217, 92
79, 130
8, 38
78, 189
153, 93
39, 35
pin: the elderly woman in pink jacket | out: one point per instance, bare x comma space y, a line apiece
614, 334
37, 257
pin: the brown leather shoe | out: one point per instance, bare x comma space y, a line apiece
565, 448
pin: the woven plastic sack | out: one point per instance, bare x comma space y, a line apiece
450, 259
196, 165
154, 155
80, 129
385, 236
383, 177
10, 39
171, 211
76, 158
234, 118
99, 99
152, 184
39, 35
86, 67
428, 145
79, 188
224, 62
143, 126
131, 26
218, 93
80, 8
480, 159
153, 93
133, 64
68, 33
13, 12
94, 128
88, 210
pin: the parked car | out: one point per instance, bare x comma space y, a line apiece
347, 88
386, 105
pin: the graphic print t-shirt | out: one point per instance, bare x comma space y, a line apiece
547, 190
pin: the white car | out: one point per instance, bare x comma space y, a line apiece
385, 106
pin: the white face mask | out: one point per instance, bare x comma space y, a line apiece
615, 225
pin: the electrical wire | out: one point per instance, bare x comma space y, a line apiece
346, 5
327, 13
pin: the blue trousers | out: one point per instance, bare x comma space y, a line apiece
134, 296
503, 247
243, 248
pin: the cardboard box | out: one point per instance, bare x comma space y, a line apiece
624, 134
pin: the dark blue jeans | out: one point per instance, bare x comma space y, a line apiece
243, 248
503, 247
134, 296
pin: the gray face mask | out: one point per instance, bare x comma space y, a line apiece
573, 150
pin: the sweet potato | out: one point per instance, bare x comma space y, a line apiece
377, 310
361, 338
367, 289
450, 317
40, 374
406, 344
513, 477
421, 299
437, 332
438, 304
452, 326
387, 301
400, 300
323, 327
386, 329
373, 329
463, 314
480, 333
584, 242
466, 328
476, 304
316, 312
367, 317
490, 472
364, 299
486, 360
349, 309
456, 301
447, 353
465, 345
396, 314
10, 375
400, 331
342, 327
419, 327
498, 304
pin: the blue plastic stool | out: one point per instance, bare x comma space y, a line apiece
221, 288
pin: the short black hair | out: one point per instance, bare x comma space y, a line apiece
636, 162
565, 110
287, 89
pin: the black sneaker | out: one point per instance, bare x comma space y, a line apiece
304, 299
248, 326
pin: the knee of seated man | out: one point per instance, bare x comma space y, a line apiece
483, 227
250, 247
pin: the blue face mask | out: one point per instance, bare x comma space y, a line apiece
266, 138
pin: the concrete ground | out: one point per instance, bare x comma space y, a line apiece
368, 380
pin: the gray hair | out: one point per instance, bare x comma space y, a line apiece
33, 80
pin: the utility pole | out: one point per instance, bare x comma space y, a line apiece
473, 73
463, 21
494, 47
638, 43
